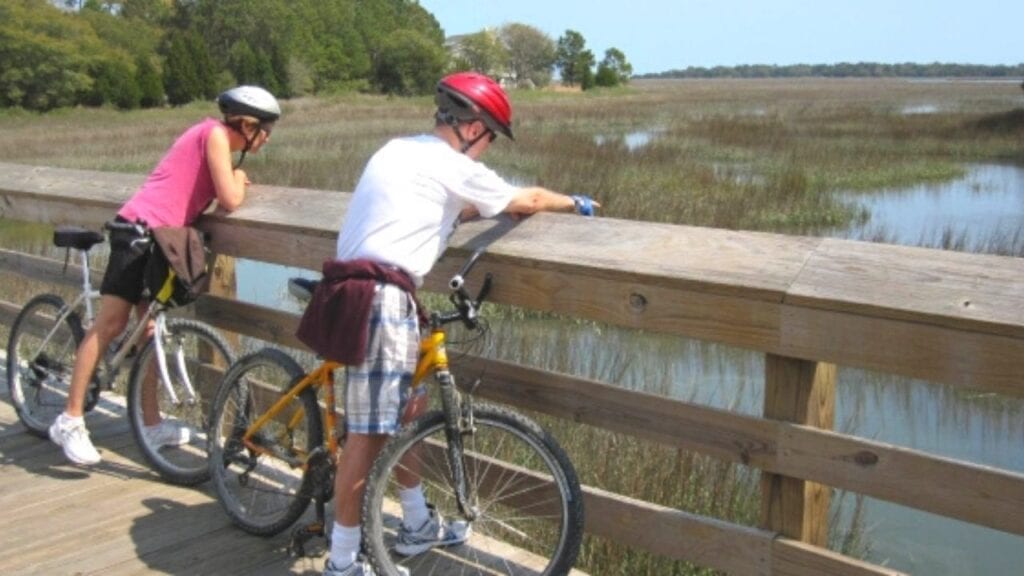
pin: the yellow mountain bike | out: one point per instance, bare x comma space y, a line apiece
274, 447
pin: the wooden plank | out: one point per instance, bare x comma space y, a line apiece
970, 492
249, 319
950, 289
634, 303
672, 533
795, 558
737, 550
802, 392
936, 353
44, 269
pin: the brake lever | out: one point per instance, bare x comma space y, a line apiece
485, 289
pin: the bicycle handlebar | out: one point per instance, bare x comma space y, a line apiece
467, 308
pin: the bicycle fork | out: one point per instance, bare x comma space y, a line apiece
179, 360
458, 417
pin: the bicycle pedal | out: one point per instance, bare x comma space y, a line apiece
301, 536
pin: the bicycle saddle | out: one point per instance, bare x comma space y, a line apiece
302, 288
76, 237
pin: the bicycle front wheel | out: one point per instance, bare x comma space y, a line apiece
519, 482
40, 358
261, 482
169, 418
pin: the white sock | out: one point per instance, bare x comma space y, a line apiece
344, 545
68, 420
414, 507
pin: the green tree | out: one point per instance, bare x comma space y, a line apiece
531, 54
181, 77
585, 68
45, 56
613, 69
482, 52
408, 63
262, 25
151, 89
114, 82
328, 53
572, 58
155, 12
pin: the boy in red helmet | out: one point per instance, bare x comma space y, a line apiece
410, 197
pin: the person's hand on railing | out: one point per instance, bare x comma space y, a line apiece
585, 205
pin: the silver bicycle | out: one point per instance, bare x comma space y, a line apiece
173, 374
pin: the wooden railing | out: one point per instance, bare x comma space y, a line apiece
806, 303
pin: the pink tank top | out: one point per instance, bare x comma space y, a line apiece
180, 188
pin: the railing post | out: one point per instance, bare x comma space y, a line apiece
802, 392
224, 283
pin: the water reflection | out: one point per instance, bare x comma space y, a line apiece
919, 109
984, 207
632, 140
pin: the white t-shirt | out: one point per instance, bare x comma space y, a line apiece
408, 201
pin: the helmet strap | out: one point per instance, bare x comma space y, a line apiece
450, 119
237, 127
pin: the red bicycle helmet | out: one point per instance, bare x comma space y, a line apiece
467, 96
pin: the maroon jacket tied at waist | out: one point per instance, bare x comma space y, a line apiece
336, 322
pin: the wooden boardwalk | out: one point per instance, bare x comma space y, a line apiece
116, 517
119, 518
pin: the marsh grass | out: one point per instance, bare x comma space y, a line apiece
742, 154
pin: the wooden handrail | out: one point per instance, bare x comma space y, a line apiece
931, 314
806, 303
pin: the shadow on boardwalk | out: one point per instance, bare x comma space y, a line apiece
116, 517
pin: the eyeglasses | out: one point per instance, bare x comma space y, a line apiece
492, 135
267, 128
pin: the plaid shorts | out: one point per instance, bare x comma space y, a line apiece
379, 390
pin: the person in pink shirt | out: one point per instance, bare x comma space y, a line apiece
195, 171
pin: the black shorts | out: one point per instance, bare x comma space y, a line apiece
125, 275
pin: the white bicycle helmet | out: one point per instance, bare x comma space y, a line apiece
250, 101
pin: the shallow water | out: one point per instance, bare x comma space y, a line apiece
985, 206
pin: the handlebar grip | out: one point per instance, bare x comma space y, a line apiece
459, 280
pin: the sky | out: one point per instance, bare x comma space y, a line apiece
660, 35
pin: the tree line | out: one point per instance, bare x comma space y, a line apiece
847, 69
144, 53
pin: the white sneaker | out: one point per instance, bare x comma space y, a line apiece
167, 433
436, 531
74, 439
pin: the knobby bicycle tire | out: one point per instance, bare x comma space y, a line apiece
204, 356
39, 378
532, 503
263, 493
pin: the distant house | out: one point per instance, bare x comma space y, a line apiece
461, 56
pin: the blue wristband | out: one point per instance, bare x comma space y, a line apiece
584, 205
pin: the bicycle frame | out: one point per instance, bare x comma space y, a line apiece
433, 359
322, 377
113, 364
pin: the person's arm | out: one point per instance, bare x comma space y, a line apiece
229, 183
533, 199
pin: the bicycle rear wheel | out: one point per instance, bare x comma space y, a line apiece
263, 487
197, 356
40, 358
520, 482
